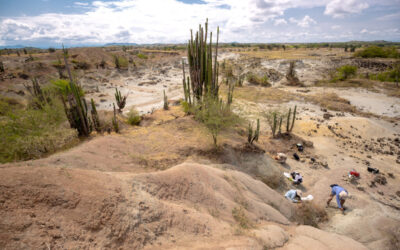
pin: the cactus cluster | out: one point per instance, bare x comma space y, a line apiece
75, 106
253, 134
121, 100
95, 117
276, 118
203, 71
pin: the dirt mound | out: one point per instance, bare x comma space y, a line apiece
52, 207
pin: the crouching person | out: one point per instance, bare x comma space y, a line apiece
294, 195
297, 178
341, 196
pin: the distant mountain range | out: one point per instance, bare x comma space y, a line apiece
19, 46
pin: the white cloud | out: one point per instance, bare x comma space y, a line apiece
363, 31
81, 4
170, 21
341, 8
389, 17
305, 22
280, 21
335, 27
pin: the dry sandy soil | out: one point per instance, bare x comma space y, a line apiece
163, 185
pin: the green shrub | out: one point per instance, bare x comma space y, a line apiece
28, 133
345, 72
133, 117
387, 76
216, 116
120, 62
187, 108
142, 56
375, 51
254, 79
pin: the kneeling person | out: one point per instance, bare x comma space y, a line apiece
294, 195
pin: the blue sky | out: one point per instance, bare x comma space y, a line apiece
52, 22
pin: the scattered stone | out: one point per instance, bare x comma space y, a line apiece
361, 188
327, 116
380, 179
398, 193
380, 192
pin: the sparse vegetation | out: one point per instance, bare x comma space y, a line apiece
142, 56
240, 217
120, 62
276, 117
309, 213
252, 135
121, 100
134, 117
165, 101
115, 120
375, 51
344, 72
29, 133
392, 75
291, 76
216, 116
257, 80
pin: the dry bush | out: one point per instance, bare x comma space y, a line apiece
394, 238
258, 80
273, 180
308, 213
241, 218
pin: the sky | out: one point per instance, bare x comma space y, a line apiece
89, 23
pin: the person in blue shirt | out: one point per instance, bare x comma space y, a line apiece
294, 195
341, 196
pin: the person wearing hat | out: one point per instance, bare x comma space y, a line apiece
294, 195
341, 196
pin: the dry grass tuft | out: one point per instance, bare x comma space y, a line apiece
262, 95
308, 213
353, 83
240, 217
331, 101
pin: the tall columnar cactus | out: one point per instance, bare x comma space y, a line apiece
230, 93
121, 100
253, 135
75, 106
280, 125
1, 67
115, 120
186, 85
293, 119
165, 101
95, 117
203, 72
288, 120
274, 124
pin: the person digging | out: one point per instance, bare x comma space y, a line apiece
294, 195
341, 196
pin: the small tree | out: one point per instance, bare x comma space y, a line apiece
216, 116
